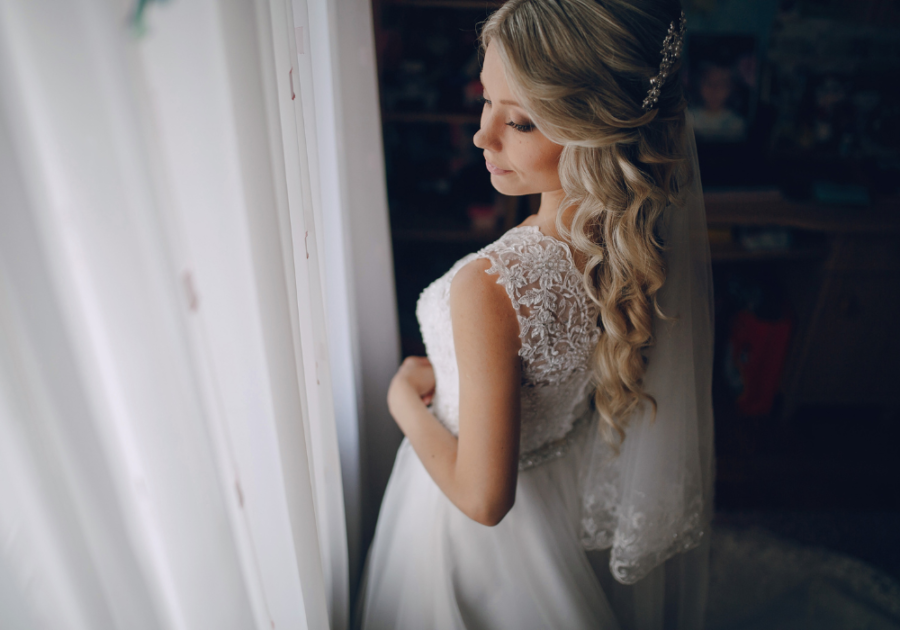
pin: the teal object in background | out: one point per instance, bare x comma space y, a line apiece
842, 194
136, 20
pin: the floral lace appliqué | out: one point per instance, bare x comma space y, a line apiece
557, 320
558, 331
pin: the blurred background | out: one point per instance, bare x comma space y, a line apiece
796, 111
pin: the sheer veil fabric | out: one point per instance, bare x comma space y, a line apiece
654, 501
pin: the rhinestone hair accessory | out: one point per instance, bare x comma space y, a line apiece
671, 50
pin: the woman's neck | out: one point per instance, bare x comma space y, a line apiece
549, 208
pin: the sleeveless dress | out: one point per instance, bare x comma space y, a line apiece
432, 567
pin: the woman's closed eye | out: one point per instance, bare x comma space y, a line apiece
523, 127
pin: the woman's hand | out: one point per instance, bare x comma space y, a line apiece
416, 376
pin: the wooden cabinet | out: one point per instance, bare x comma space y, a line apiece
846, 297
848, 352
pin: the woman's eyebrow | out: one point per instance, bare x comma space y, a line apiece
503, 102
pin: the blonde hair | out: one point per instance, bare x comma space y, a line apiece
581, 69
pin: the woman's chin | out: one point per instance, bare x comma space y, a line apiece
506, 184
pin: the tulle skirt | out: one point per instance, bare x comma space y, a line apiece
432, 567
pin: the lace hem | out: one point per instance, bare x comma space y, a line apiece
629, 566
640, 542
644, 525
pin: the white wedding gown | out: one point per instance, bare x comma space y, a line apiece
432, 567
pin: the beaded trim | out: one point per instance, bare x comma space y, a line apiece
671, 50
556, 448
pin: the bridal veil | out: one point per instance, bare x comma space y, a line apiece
646, 513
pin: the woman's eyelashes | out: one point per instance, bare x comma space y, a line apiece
524, 128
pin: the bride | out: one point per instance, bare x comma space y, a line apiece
556, 469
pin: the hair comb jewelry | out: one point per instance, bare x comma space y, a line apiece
671, 50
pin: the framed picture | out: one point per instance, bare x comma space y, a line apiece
721, 80
831, 79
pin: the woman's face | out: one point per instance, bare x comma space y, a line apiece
521, 159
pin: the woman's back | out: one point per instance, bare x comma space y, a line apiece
558, 331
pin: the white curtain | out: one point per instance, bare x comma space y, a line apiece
169, 451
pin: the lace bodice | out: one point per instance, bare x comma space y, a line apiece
558, 331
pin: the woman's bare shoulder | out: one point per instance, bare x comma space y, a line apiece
478, 300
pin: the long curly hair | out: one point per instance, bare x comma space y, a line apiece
581, 69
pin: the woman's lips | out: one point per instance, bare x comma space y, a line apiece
495, 170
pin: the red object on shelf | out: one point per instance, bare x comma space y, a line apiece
483, 216
758, 350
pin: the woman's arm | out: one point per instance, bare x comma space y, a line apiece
478, 471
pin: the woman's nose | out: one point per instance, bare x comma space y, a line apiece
478, 139
486, 138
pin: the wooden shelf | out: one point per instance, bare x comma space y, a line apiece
719, 252
738, 208
446, 236
448, 4
769, 207
431, 117
733, 252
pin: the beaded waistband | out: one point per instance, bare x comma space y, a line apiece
556, 448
